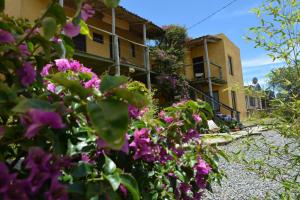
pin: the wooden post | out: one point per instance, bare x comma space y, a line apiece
115, 41
147, 57
208, 70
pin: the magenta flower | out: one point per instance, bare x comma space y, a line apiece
197, 118
190, 135
166, 118
57, 192
87, 12
40, 118
133, 111
45, 70
5, 177
93, 83
71, 29
24, 49
27, 74
37, 179
62, 64
37, 159
123, 190
51, 87
144, 148
6, 37
16, 190
75, 65
202, 170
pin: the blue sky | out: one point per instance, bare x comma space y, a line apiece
234, 22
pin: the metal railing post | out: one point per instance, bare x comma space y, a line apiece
116, 52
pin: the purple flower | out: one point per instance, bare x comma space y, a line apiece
87, 12
197, 118
27, 74
133, 111
45, 70
144, 148
57, 192
178, 152
5, 177
37, 180
16, 190
202, 167
71, 30
24, 49
202, 170
6, 37
190, 135
85, 69
37, 159
62, 64
39, 119
164, 156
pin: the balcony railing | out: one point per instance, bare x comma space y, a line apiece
200, 72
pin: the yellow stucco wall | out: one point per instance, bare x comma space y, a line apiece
32, 9
218, 54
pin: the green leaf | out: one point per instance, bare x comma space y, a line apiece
109, 166
133, 97
57, 12
26, 104
82, 170
112, 3
72, 85
84, 29
130, 183
110, 120
49, 27
110, 82
2, 5
114, 180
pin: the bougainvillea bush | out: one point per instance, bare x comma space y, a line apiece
67, 133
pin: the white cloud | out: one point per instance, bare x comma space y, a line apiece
259, 61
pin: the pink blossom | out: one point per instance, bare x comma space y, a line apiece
87, 12
197, 118
51, 87
62, 64
71, 29
45, 70
93, 83
75, 65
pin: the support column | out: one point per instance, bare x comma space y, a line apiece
147, 57
208, 70
115, 41
61, 2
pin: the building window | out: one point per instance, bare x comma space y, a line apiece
252, 102
198, 65
233, 99
80, 42
230, 65
133, 52
98, 38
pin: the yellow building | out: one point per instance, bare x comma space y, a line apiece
213, 67
118, 45
102, 51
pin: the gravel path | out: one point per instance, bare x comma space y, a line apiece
242, 184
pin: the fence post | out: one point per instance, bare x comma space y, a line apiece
147, 57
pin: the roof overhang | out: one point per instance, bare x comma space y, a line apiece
135, 21
200, 40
